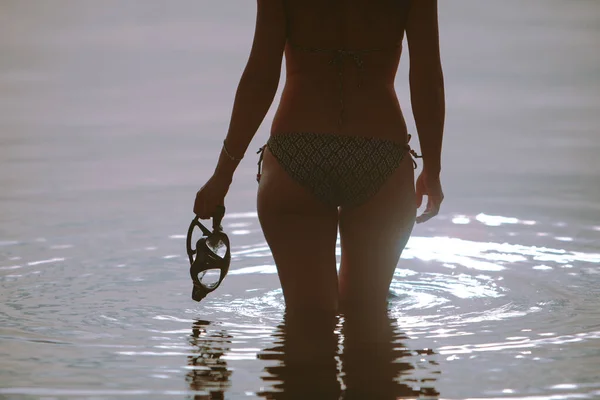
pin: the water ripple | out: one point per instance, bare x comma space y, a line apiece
463, 300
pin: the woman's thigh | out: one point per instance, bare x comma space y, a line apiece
301, 232
373, 236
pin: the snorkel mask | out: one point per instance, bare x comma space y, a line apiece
211, 255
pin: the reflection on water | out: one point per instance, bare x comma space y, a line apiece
319, 357
377, 364
208, 370
303, 359
355, 357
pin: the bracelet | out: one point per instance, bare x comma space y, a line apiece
232, 158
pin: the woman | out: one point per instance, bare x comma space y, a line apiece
338, 155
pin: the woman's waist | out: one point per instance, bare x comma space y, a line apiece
395, 132
379, 116
316, 96
334, 85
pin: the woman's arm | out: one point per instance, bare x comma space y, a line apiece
427, 98
257, 86
253, 98
426, 81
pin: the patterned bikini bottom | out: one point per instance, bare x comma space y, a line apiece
340, 170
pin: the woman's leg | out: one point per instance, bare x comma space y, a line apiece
373, 235
301, 232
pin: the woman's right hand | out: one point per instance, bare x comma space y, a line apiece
431, 187
211, 195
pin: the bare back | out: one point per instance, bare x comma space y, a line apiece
341, 61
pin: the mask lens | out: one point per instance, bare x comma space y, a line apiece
216, 245
209, 278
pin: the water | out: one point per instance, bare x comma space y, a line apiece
111, 116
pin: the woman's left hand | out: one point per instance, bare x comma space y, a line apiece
211, 195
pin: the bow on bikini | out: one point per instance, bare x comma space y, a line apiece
212, 252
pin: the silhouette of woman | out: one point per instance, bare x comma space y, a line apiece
338, 154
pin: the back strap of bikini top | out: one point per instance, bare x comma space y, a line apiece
337, 59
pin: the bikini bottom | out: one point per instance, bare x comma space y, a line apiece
340, 170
